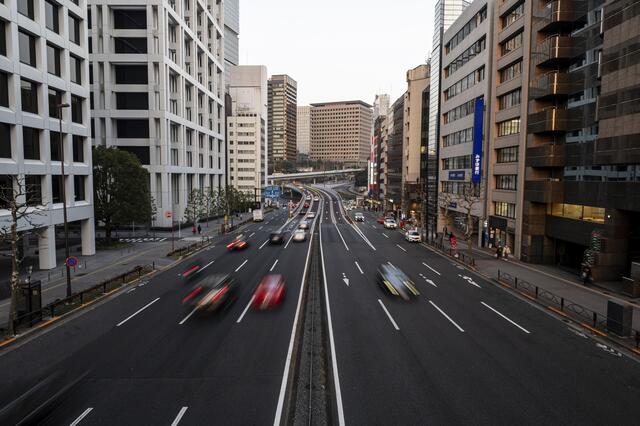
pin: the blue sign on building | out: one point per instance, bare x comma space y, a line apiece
456, 175
272, 192
476, 156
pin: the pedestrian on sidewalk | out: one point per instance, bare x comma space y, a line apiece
199, 230
498, 252
506, 252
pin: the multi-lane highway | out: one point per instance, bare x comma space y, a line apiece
148, 361
463, 352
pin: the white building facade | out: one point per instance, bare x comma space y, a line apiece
247, 129
44, 64
158, 92
303, 130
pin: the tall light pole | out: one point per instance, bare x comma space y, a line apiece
64, 198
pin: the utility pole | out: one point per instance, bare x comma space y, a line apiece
64, 199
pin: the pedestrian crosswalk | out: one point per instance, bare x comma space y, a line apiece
142, 240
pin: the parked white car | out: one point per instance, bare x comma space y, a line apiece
412, 236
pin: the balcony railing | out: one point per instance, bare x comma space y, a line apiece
561, 14
558, 50
554, 84
549, 120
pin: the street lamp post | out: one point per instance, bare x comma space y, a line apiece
64, 198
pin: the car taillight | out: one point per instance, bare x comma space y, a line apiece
191, 295
190, 271
220, 293
230, 244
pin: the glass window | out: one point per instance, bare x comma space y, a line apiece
131, 74
25, 7
509, 100
74, 29
4, 89
512, 44
56, 189
31, 143
130, 44
132, 129
55, 99
29, 95
3, 38
132, 100
507, 155
53, 60
507, 210
507, 182
129, 19
5, 140
27, 46
79, 190
509, 127
51, 16
593, 214
513, 15
78, 149
511, 71
76, 109
54, 145
75, 69
33, 188
572, 211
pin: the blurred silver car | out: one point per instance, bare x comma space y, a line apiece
299, 235
303, 224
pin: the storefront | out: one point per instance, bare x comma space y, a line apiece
500, 234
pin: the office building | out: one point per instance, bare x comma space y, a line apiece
158, 92
381, 105
341, 132
303, 130
416, 121
393, 156
247, 129
44, 64
466, 86
231, 37
283, 109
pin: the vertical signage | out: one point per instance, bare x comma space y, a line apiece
476, 157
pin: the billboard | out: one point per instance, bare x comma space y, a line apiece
476, 156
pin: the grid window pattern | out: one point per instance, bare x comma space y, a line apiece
509, 127
463, 136
460, 111
507, 210
513, 15
511, 44
473, 23
471, 52
507, 182
509, 100
465, 83
511, 71
452, 163
507, 155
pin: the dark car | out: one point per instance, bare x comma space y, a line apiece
302, 212
212, 293
396, 282
277, 237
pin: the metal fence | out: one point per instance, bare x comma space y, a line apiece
456, 254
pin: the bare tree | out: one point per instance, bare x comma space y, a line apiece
470, 198
444, 201
194, 210
23, 203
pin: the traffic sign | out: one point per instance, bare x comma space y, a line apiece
71, 261
272, 191
168, 215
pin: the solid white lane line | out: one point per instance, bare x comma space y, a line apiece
263, 244
251, 235
503, 316
290, 238
243, 263
274, 265
401, 248
385, 235
389, 315
340, 234
188, 316
431, 268
359, 268
446, 316
245, 309
137, 312
207, 265
260, 228
179, 416
81, 416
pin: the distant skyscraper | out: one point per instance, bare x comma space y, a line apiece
283, 109
304, 129
381, 105
231, 36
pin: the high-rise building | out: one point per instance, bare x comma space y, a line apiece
416, 120
303, 130
247, 129
158, 92
393, 155
43, 65
466, 85
446, 12
341, 132
381, 105
231, 37
283, 109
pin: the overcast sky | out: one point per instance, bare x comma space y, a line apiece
337, 49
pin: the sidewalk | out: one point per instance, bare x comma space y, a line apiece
109, 263
561, 283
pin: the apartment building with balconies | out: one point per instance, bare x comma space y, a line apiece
157, 82
44, 65
282, 117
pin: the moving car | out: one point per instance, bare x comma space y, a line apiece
239, 243
277, 237
270, 292
380, 220
308, 198
190, 272
302, 212
390, 223
303, 224
359, 217
412, 236
258, 215
396, 282
316, 198
299, 235
212, 293
311, 215
306, 205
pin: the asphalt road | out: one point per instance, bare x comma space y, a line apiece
463, 352
146, 359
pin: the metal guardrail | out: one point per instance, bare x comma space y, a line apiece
570, 309
456, 254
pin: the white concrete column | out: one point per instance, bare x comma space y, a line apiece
47, 247
88, 237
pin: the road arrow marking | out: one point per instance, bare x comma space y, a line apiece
431, 282
345, 279
469, 280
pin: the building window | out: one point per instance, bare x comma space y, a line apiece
462, 136
465, 83
31, 143
76, 109
507, 210
461, 162
476, 20
511, 71
174, 157
27, 46
133, 129
3, 38
131, 74
577, 212
460, 111
512, 44
74, 29
507, 155
5, 140
25, 7
55, 99
507, 182
78, 149
56, 189
53, 60
6, 191
75, 69
29, 95
132, 100
4, 89
509, 100
52, 20
465, 56
33, 189
54, 145
130, 45
130, 19
509, 127
511, 17
79, 190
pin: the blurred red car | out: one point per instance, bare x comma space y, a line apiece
381, 220
306, 205
270, 292
238, 244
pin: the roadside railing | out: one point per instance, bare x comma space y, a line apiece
456, 254
595, 321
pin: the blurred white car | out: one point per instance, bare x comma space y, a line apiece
412, 236
359, 217
303, 224
311, 215
390, 223
299, 235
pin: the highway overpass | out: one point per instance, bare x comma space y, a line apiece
281, 177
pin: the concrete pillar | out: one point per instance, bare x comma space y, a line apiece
88, 237
47, 247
